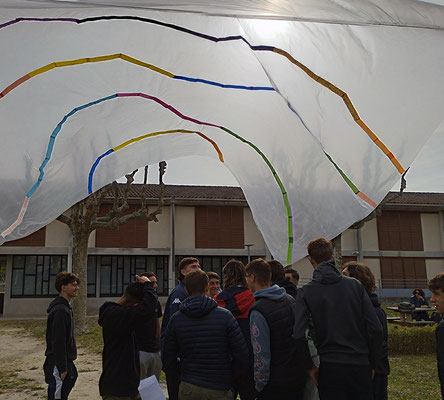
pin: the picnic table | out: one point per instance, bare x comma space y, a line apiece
405, 316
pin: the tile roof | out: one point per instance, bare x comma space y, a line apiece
414, 198
231, 193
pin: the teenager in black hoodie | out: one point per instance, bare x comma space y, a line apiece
120, 358
60, 371
364, 275
348, 332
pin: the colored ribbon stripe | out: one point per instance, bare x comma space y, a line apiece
132, 60
352, 186
309, 72
178, 113
137, 139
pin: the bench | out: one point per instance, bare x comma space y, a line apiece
412, 323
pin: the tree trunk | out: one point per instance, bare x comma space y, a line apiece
337, 250
79, 267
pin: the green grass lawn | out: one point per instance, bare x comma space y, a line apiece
412, 376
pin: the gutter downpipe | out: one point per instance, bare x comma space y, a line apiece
172, 261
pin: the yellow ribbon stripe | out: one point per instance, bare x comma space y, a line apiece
78, 61
137, 139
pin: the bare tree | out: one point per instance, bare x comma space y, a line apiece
84, 218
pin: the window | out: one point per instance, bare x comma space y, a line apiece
400, 230
116, 272
35, 239
219, 227
34, 276
403, 273
134, 234
91, 276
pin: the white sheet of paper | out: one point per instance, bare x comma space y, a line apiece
150, 389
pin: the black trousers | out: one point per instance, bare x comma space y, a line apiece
173, 382
345, 382
270, 392
54, 381
380, 383
244, 386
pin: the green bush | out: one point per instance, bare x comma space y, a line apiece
411, 340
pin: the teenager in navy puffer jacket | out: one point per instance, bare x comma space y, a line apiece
207, 340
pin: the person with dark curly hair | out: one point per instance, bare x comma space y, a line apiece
418, 300
363, 274
238, 299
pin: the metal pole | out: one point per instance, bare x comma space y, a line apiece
172, 263
248, 245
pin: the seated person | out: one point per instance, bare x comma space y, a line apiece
418, 300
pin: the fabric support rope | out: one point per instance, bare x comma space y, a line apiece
176, 112
137, 139
124, 57
352, 110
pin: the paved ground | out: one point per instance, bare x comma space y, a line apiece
21, 361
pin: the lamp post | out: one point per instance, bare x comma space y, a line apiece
248, 245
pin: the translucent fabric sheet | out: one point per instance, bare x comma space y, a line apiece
315, 107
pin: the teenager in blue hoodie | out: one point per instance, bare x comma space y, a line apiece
280, 361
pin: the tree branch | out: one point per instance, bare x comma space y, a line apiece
65, 219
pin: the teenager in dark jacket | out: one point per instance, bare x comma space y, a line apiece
348, 332
148, 339
207, 340
175, 299
436, 285
120, 357
280, 361
61, 351
278, 278
238, 299
363, 274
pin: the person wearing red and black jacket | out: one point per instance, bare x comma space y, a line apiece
238, 299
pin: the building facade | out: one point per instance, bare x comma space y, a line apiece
403, 246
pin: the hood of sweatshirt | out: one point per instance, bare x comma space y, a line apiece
237, 299
273, 293
374, 299
59, 300
197, 306
289, 286
326, 273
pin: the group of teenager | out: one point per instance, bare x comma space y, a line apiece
260, 337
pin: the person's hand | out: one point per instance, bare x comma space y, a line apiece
373, 373
142, 279
63, 375
313, 374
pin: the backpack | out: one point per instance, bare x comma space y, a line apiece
405, 305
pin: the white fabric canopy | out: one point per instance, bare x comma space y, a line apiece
316, 107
